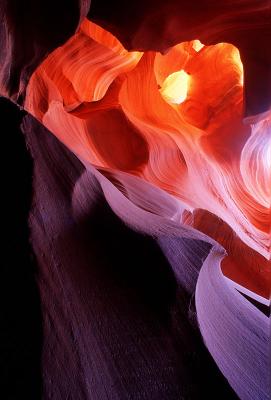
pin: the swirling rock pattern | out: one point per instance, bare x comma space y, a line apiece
151, 101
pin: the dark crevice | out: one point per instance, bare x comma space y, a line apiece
21, 322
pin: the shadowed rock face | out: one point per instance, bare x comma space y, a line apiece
130, 222
116, 318
30, 30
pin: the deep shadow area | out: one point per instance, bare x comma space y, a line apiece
20, 314
129, 261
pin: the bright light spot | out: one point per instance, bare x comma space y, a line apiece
197, 45
175, 87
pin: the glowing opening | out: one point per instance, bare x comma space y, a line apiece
175, 87
197, 45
